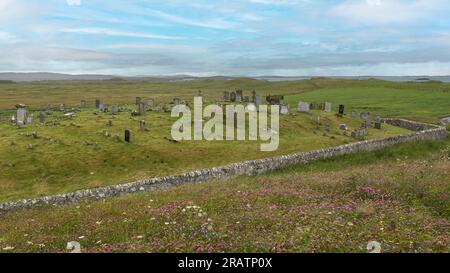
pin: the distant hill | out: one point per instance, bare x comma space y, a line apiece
45, 76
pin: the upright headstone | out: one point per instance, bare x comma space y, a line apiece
30, 119
97, 104
142, 124
341, 109
200, 93
101, 107
62, 107
327, 125
138, 100
284, 109
150, 102
318, 121
226, 96
13, 119
378, 123
233, 97
166, 108
253, 96
42, 117
141, 108
127, 135
369, 121
238, 98
303, 107
362, 133
258, 100
115, 109
327, 107
21, 114
176, 101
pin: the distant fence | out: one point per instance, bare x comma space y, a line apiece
251, 167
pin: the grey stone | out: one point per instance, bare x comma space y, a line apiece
127, 137
303, 107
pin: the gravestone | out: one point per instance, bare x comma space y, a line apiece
233, 97
343, 126
62, 107
176, 101
362, 133
200, 93
327, 107
158, 108
97, 104
258, 100
238, 98
166, 108
115, 109
353, 114
138, 100
354, 133
141, 108
83, 104
246, 99
284, 110
318, 122
303, 107
369, 121
110, 123
13, 119
341, 109
142, 125
42, 117
150, 102
30, 119
378, 123
127, 135
327, 125
226, 96
253, 96
251, 107
21, 114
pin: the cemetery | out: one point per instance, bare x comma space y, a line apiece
58, 152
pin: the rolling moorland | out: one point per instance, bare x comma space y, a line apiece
398, 196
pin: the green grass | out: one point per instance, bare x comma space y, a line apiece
76, 155
398, 197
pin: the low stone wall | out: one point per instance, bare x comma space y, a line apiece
424, 132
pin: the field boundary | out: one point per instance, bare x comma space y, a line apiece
423, 131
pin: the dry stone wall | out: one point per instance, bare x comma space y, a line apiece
423, 132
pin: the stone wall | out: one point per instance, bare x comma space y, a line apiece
423, 132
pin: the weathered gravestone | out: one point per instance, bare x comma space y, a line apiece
166, 108
303, 107
176, 101
246, 99
238, 98
83, 104
253, 96
226, 96
378, 123
97, 104
115, 109
327, 107
362, 133
127, 135
141, 108
318, 121
21, 114
138, 100
341, 109
142, 125
42, 117
284, 110
30, 119
233, 97
327, 125
150, 102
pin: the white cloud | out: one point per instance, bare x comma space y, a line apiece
386, 12
73, 2
111, 32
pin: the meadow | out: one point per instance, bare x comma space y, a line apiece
398, 197
76, 154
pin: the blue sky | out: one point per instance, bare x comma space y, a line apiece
242, 37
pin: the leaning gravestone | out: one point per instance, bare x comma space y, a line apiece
327, 107
127, 135
238, 98
303, 107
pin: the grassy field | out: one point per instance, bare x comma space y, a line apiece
76, 154
399, 197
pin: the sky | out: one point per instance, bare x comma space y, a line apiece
225, 37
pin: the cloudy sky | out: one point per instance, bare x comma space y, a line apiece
225, 37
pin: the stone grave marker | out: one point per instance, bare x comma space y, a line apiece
246, 99
318, 121
142, 125
138, 100
83, 104
284, 109
115, 109
42, 117
258, 100
21, 114
378, 123
362, 133
141, 108
176, 101
327, 125
166, 108
303, 107
150, 102
253, 96
97, 104
233, 97
127, 135
30, 119
327, 107
341, 109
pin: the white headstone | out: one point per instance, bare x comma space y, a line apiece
303, 107
327, 107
